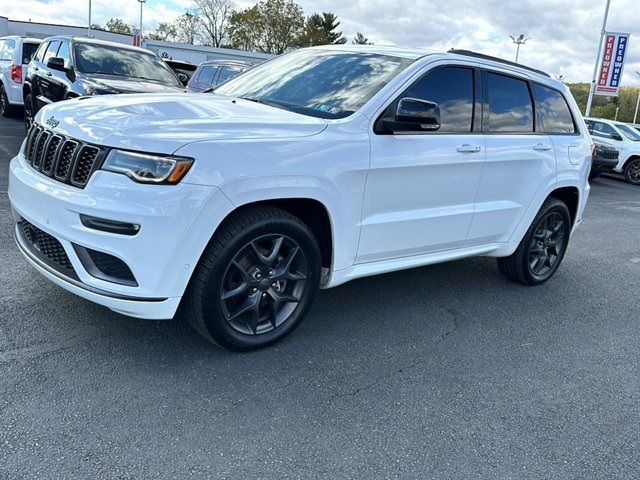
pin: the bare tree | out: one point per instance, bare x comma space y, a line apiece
214, 16
187, 27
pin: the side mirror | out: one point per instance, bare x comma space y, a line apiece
616, 136
183, 79
414, 115
56, 63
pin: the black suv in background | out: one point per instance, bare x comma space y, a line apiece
605, 158
66, 67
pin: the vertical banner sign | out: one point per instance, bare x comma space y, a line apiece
137, 37
615, 50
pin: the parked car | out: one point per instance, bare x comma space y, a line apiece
624, 138
15, 53
183, 70
215, 72
67, 67
605, 159
316, 168
636, 126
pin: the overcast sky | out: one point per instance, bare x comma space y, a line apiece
563, 34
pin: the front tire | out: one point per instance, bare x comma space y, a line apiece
542, 249
255, 281
29, 111
632, 171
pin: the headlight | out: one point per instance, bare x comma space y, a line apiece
145, 168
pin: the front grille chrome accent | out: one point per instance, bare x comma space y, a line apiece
64, 159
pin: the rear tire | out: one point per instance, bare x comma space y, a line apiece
632, 171
255, 281
542, 249
6, 110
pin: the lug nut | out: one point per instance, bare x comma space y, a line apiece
258, 275
264, 295
254, 290
271, 273
274, 284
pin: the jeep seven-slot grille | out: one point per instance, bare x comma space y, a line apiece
64, 159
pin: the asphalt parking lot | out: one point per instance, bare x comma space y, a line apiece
441, 372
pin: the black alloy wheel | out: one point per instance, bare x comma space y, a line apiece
547, 245
632, 171
263, 284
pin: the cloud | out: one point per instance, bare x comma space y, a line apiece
563, 33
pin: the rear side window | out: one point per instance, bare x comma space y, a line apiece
228, 72
206, 75
28, 51
3, 50
553, 110
601, 129
510, 109
40, 52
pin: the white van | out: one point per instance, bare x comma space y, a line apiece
15, 55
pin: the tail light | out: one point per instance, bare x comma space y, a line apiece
16, 73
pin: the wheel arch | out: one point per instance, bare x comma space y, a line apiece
311, 211
570, 196
631, 158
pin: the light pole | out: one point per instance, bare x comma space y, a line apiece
595, 68
141, 3
89, 27
635, 115
520, 40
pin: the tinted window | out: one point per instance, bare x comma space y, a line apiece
228, 72
28, 51
628, 132
51, 51
3, 50
452, 89
40, 53
63, 52
316, 82
553, 109
510, 108
206, 75
125, 62
601, 129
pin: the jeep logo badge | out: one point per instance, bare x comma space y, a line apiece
52, 122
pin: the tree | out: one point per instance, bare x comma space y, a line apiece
605, 107
187, 27
270, 26
360, 39
320, 29
214, 16
165, 32
117, 25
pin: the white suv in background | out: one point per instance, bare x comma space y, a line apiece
316, 168
623, 137
15, 54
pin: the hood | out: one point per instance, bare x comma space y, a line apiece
162, 123
117, 84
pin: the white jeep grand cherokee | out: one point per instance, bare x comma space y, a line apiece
316, 168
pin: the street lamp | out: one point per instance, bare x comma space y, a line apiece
635, 116
141, 3
89, 27
520, 40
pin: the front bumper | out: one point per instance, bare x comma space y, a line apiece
600, 164
175, 221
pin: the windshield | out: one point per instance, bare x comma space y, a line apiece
122, 62
629, 132
319, 83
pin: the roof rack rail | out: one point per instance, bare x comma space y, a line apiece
469, 53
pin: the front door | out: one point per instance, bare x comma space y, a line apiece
420, 192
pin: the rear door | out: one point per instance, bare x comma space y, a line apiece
519, 157
204, 78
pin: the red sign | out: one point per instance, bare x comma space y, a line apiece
137, 38
615, 47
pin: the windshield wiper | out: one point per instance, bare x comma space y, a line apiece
269, 103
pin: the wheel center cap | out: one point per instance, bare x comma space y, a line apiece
264, 284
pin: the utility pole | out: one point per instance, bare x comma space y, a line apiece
595, 68
520, 40
89, 27
635, 116
141, 3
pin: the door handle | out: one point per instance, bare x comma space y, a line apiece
48, 74
36, 68
542, 147
466, 148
